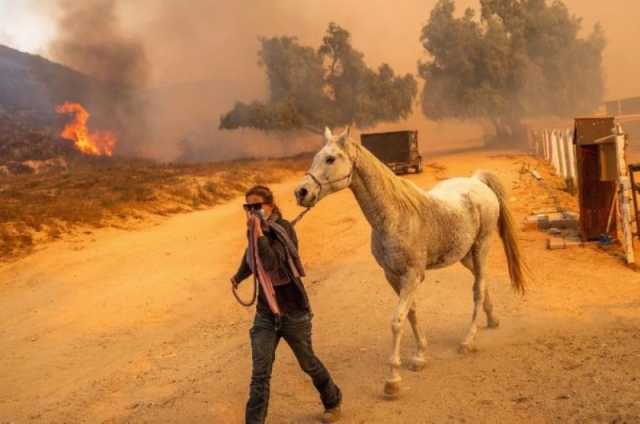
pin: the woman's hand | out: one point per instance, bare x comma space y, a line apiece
250, 219
254, 222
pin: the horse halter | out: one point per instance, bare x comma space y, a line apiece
329, 182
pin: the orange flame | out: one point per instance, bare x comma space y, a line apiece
96, 143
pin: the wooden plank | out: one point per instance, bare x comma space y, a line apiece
634, 189
555, 155
536, 174
595, 196
560, 220
588, 130
546, 145
572, 159
624, 206
561, 155
556, 243
608, 161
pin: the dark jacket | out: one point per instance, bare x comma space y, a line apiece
292, 297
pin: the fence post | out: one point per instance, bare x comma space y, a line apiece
554, 152
571, 157
545, 145
550, 148
562, 159
624, 207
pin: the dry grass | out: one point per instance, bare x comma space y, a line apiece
38, 208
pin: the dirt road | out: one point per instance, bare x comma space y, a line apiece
140, 326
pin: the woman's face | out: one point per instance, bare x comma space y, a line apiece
266, 207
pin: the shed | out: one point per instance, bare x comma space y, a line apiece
597, 176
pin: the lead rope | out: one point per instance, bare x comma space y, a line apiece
256, 286
299, 217
234, 287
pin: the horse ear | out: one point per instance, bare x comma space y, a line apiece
342, 138
327, 134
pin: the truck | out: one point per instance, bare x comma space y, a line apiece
396, 149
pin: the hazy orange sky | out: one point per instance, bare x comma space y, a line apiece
385, 31
199, 40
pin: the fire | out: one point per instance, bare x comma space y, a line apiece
96, 143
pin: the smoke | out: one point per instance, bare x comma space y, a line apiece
620, 20
6, 38
91, 39
190, 61
205, 58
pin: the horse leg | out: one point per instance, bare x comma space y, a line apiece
479, 258
406, 293
492, 320
418, 361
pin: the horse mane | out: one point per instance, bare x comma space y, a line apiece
407, 194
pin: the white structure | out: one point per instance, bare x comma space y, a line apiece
556, 147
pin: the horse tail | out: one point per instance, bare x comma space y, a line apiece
506, 227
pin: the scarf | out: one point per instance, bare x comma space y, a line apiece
293, 257
259, 272
293, 262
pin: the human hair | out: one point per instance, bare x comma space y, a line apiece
266, 194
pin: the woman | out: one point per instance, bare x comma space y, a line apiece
277, 252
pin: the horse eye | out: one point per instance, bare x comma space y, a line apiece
330, 160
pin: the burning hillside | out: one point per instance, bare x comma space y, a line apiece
98, 143
26, 148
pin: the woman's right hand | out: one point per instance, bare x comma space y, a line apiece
250, 219
254, 222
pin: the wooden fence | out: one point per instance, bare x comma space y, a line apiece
557, 148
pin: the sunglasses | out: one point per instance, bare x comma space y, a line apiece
252, 206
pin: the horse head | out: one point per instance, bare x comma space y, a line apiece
331, 169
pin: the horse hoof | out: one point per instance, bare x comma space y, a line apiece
493, 323
391, 389
417, 364
465, 349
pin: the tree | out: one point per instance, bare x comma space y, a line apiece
521, 58
329, 86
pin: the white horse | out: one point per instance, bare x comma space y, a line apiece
414, 230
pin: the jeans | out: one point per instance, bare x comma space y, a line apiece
265, 335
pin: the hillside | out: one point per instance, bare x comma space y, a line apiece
34, 85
